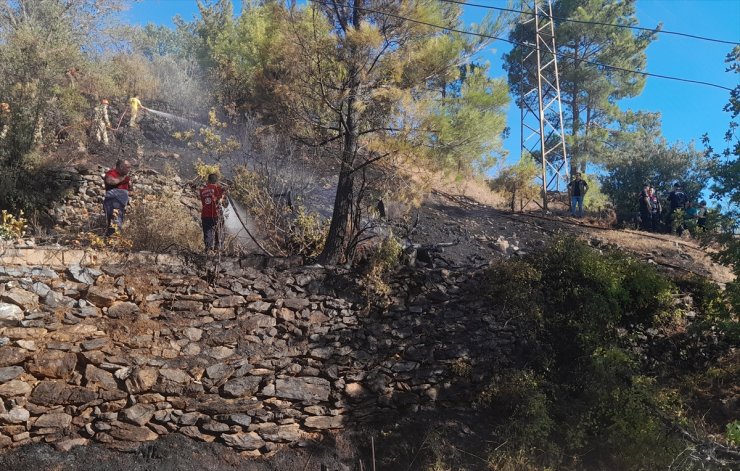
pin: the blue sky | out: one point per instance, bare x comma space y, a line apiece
687, 110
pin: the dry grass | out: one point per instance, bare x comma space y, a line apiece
158, 223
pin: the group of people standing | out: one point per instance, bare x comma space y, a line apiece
651, 211
101, 119
213, 199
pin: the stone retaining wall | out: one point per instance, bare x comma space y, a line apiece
121, 354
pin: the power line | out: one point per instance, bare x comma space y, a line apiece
614, 25
529, 46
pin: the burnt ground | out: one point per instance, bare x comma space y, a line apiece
481, 233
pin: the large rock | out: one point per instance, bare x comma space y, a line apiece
244, 386
101, 297
99, 378
131, 433
139, 414
12, 355
53, 364
122, 309
296, 304
10, 315
17, 415
20, 297
244, 441
324, 422
83, 274
10, 372
53, 420
14, 388
281, 433
142, 380
52, 393
174, 375
229, 301
302, 389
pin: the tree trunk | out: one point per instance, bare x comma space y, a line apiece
341, 228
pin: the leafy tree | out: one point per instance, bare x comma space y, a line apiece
517, 182
589, 93
365, 85
646, 157
41, 41
725, 173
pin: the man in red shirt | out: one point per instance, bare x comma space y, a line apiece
212, 197
117, 187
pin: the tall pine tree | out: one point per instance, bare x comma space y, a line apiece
590, 93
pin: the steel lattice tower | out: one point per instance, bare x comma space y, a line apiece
542, 132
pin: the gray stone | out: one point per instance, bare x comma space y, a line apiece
17, 415
281, 433
12, 355
296, 304
42, 289
10, 315
244, 441
259, 306
302, 389
244, 386
131, 433
174, 375
52, 393
139, 414
101, 297
21, 297
14, 388
80, 274
53, 420
99, 378
10, 372
229, 301
324, 422
219, 372
193, 334
122, 309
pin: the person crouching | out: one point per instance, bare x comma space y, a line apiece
117, 188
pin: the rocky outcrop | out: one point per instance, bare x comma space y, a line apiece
122, 354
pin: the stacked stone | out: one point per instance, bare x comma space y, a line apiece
121, 355
82, 209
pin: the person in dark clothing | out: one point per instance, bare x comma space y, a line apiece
655, 210
577, 189
676, 200
213, 198
701, 221
645, 210
117, 188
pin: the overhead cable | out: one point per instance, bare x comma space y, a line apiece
529, 46
614, 25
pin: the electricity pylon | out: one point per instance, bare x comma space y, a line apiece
542, 131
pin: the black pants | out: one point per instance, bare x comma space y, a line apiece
213, 232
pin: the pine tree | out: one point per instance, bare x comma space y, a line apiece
589, 93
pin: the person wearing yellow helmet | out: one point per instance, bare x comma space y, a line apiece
4, 120
101, 121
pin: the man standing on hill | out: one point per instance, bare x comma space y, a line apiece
134, 104
117, 187
101, 121
676, 200
4, 120
577, 189
213, 198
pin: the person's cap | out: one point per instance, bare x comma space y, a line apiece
104, 101
677, 185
